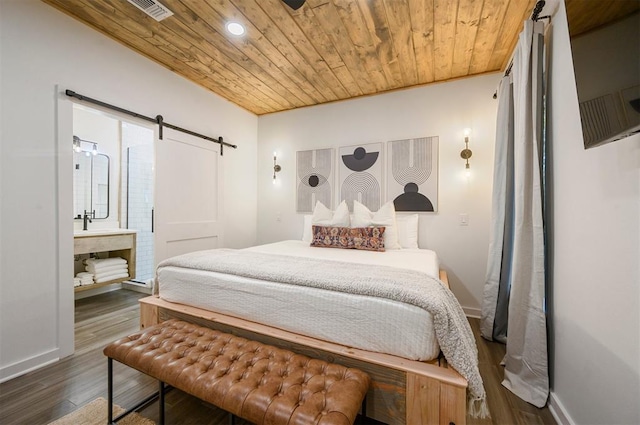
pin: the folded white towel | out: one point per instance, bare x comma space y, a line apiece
76, 282
112, 277
84, 278
105, 261
105, 266
100, 276
106, 269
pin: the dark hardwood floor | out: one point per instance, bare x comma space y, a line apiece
44, 395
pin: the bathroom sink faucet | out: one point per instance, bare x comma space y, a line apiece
86, 219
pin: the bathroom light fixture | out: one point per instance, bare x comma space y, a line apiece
235, 28
466, 152
76, 144
276, 168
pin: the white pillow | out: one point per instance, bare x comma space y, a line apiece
385, 216
307, 235
323, 216
408, 230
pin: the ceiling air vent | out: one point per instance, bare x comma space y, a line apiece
152, 8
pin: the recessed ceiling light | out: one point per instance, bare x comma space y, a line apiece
235, 28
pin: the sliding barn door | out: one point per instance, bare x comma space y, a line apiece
188, 195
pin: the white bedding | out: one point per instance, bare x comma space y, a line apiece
358, 321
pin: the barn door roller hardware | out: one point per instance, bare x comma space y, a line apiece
157, 120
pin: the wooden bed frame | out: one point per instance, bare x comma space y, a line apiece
403, 392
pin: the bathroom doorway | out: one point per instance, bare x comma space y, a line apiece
128, 149
137, 200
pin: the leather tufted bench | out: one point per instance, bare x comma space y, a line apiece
254, 381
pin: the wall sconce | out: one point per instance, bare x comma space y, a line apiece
94, 150
276, 168
466, 152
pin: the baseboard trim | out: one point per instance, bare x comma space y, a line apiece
558, 411
25, 366
137, 287
472, 312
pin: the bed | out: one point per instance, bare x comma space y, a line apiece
394, 341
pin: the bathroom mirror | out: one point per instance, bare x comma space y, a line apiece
90, 185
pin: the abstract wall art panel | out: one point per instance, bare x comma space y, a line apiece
360, 169
315, 179
412, 174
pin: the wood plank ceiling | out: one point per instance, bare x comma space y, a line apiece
325, 51
585, 16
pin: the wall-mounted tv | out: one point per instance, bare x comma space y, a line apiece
606, 61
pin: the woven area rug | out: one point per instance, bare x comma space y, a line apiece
95, 413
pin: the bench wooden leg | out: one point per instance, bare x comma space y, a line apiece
110, 391
161, 402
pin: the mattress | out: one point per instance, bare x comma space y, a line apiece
365, 322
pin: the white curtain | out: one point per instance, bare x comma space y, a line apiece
513, 309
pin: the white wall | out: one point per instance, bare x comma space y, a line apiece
41, 47
595, 236
443, 110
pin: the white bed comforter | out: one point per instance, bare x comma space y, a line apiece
421, 260
369, 323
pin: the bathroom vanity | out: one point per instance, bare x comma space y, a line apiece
109, 243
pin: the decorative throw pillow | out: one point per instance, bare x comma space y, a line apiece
365, 238
407, 230
325, 217
385, 216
